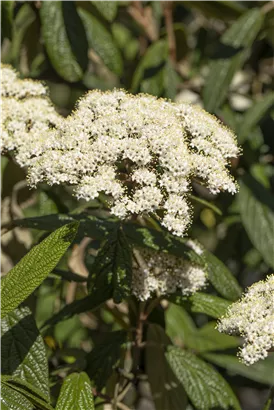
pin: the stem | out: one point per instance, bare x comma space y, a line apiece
168, 9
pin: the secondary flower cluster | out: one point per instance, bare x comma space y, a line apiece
142, 151
159, 273
27, 116
253, 318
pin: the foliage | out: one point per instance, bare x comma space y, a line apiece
68, 263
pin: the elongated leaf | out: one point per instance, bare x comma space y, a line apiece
11, 399
270, 399
257, 212
104, 357
242, 33
151, 63
224, 10
183, 332
63, 31
23, 352
221, 278
75, 393
167, 392
7, 18
88, 303
113, 267
254, 114
200, 302
261, 372
101, 41
33, 268
70, 276
108, 9
204, 385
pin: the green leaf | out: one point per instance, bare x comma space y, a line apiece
75, 393
29, 391
101, 41
113, 267
257, 212
89, 303
167, 392
205, 387
200, 302
183, 332
23, 351
70, 276
221, 278
270, 399
63, 31
125, 40
33, 268
104, 357
254, 115
242, 33
11, 399
7, 18
108, 9
261, 372
148, 76
224, 10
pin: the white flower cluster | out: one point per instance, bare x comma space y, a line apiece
253, 318
159, 273
27, 116
142, 151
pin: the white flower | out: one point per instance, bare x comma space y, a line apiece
253, 318
158, 273
142, 151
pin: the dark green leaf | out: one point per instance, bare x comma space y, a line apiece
75, 393
199, 302
7, 18
108, 9
63, 31
183, 332
261, 372
104, 357
254, 115
204, 385
167, 392
224, 10
257, 212
221, 278
113, 267
125, 40
70, 276
101, 41
23, 352
242, 33
33, 268
11, 399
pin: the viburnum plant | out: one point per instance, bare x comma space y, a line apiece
135, 160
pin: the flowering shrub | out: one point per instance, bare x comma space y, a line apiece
136, 205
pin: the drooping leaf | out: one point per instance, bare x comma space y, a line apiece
167, 392
257, 212
241, 34
182, 330
261, 372
104, 357
101, 41
11, 399
75, 393
210, 305
33, 268
7, 18
113, 267
221, 278
205, 387
23, 352
108, 9
63, 31
254, 115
